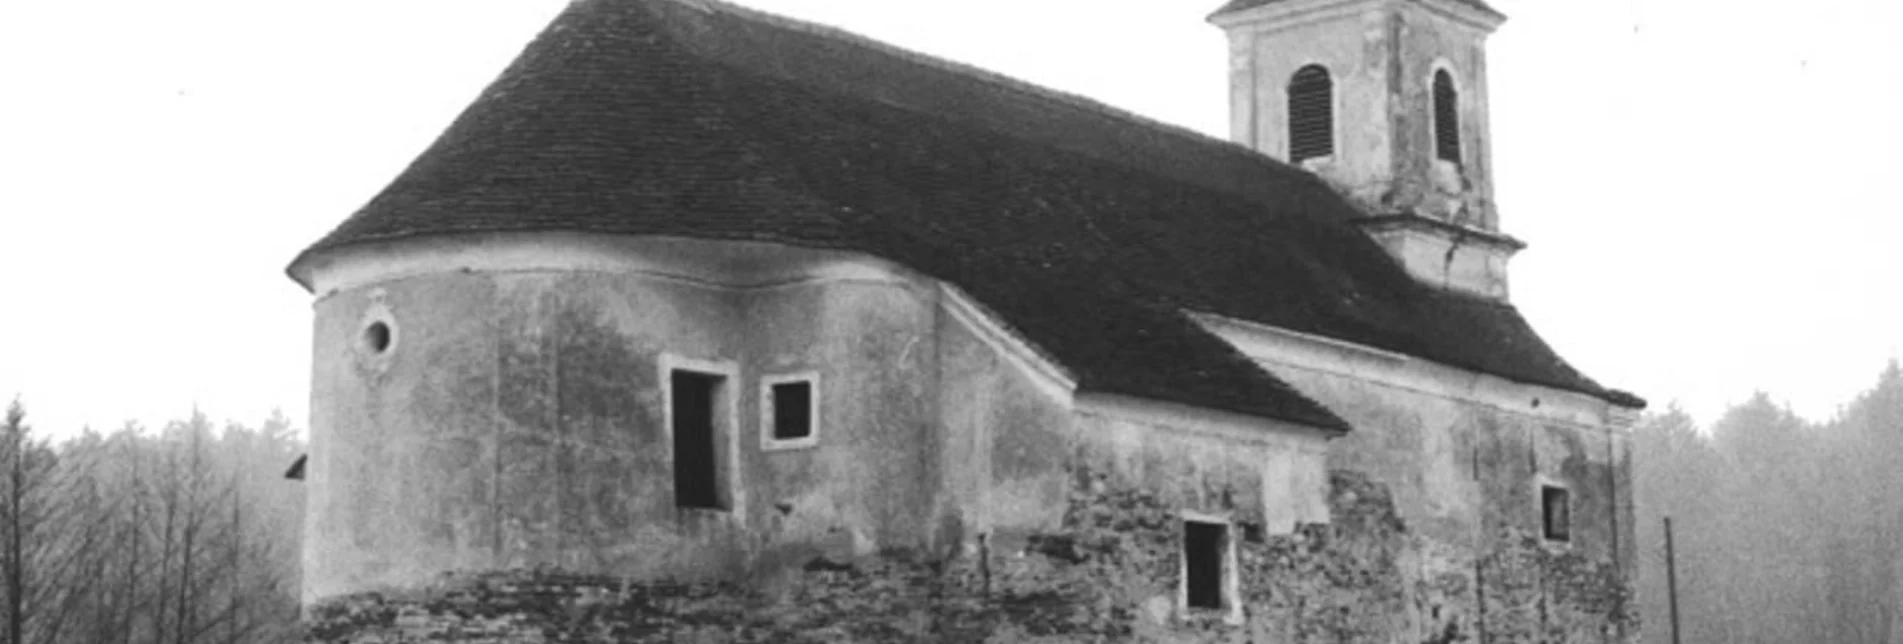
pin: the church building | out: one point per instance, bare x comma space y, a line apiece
707, 325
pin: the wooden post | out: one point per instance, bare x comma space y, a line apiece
1671, 578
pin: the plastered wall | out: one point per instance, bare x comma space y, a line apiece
500, 475
518, 420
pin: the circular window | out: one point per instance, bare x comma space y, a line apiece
377, 334
376, 337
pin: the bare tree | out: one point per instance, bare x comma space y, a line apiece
186, 535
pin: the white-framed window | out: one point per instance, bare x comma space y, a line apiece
1210, 581
700, 413
789, 410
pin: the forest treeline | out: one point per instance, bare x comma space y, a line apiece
188, 533
1784, 530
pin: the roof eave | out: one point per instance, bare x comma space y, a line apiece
299, 270
1625, 399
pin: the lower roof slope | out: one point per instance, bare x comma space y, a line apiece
1089, 231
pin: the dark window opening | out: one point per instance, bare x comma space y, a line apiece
1446, 118
1203, 545
696, 462
1554, 511
1311, 114
1252, 532
376, 337
792, 410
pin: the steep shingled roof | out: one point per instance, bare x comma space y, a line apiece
1088, 230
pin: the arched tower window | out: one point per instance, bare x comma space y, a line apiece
1311, 114
1446, 117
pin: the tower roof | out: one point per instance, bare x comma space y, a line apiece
1088, 230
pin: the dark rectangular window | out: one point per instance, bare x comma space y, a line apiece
1251, 532
1555, 513
696, 461
792, 410
1203, 545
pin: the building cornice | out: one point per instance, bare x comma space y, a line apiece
1501, 242
734, 265
1445, 255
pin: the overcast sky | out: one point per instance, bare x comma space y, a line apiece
1704, 184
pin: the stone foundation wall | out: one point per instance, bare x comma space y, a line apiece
1109, 572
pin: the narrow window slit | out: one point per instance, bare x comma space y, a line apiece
1446, 118
1555, 513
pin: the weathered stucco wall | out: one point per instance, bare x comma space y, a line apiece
1108, 568
501, 474
872, 478
1462, 457
1465, 478
1427, 40
1008, 434
517, 420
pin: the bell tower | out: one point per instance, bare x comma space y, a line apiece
1387, 101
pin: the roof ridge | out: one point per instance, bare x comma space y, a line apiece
1003, 81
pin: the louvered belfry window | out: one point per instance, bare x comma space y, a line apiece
1311, 114
1446, 117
